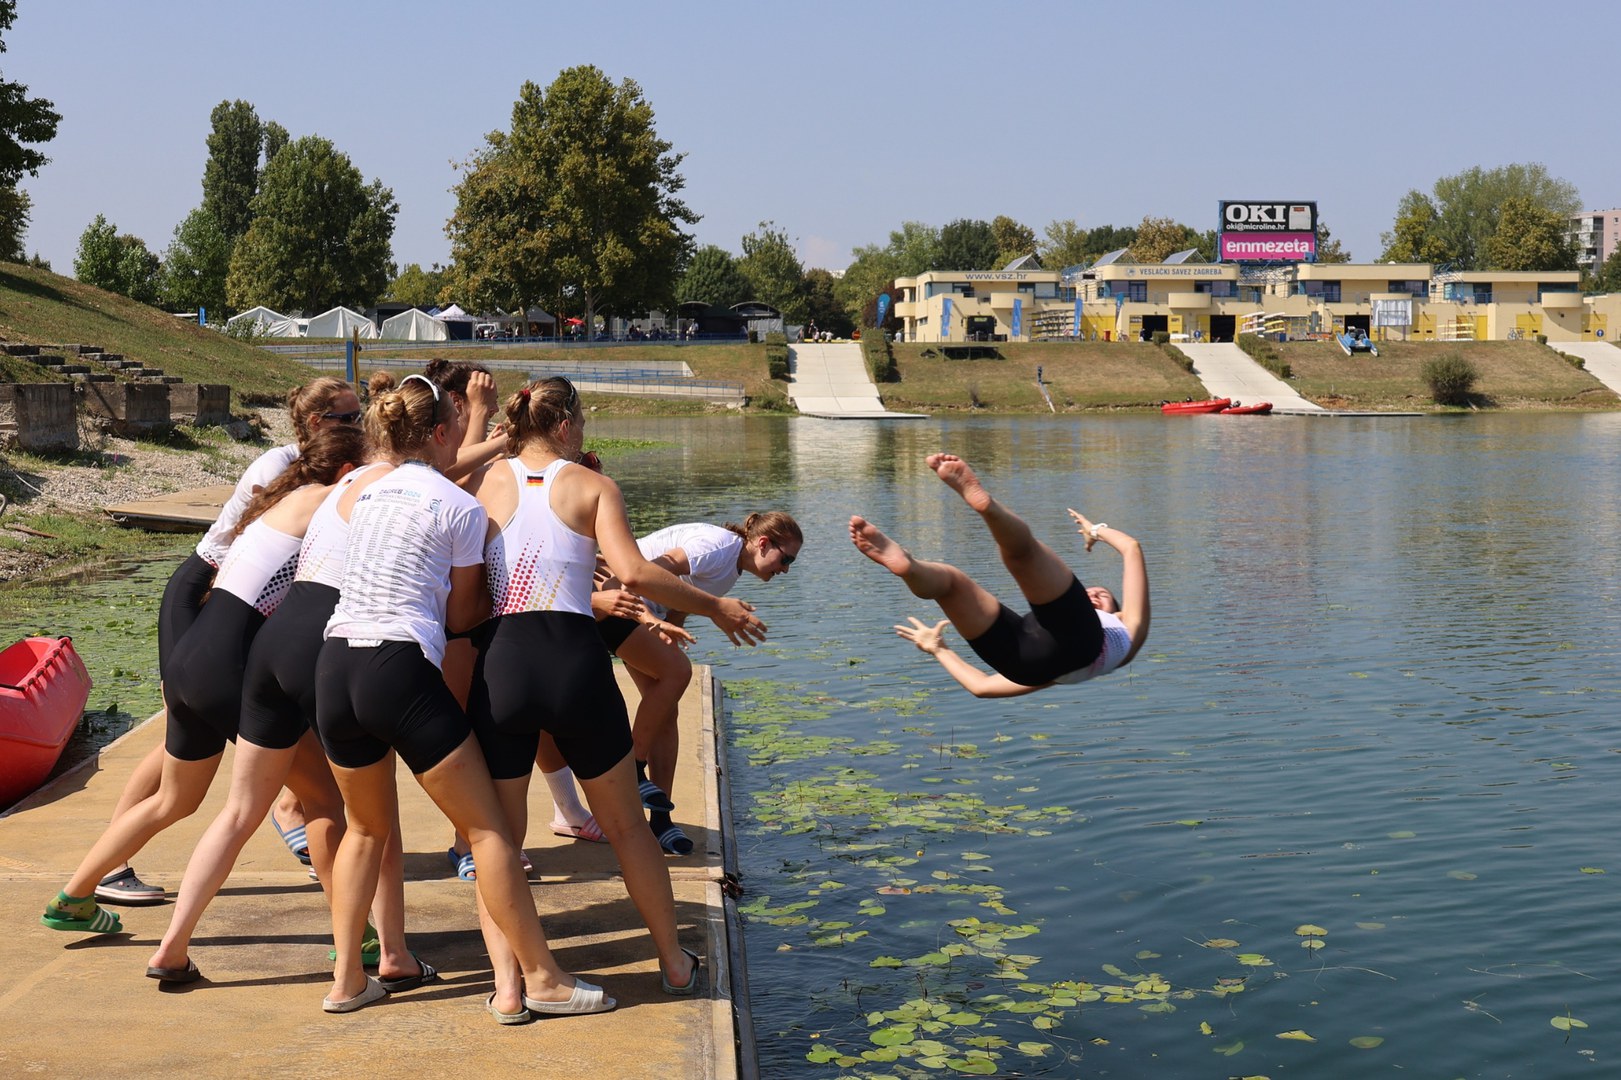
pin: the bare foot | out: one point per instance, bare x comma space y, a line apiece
961, 479
879, 548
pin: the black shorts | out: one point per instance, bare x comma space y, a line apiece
615, 631
203, 687
182, 603
547, 671
278, 691
1054, 639
371, 699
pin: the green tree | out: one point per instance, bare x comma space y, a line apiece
196, 264
97, 262
1329, 249
320, 234
1013, 239
23, 120
822, 304
140, 271
1468, 206
967, 245
416, 286
276, 137
773, 270
1412, 237
1530, 238
231, 174
1607, 279
577, 202
712, 276
1159, 238
912, 249
1065, 245
16, 209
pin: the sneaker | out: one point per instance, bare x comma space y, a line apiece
125, 888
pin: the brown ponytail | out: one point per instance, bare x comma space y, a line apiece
535, 412
399, 422
306, 403
778, 526
321, 462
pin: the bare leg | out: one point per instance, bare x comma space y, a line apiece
618, 807
514, 798
1041, 575
662, 674
969, 606
179, 793
142, 784
371, 802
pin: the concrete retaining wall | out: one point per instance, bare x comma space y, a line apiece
38, 416
127, 408
199, 404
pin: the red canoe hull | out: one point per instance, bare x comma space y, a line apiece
1260, 408
43, 688
1192, 408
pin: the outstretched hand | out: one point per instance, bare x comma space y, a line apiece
931, 639
738, 622
670, 634
617, 603
1084, 526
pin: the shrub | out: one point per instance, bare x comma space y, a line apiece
880, 357
1542, 339
1451, 379
776, 356
1162, 337
1180, 357
1262, 352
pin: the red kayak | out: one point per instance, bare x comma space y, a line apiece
43, 688
1260, 408
1190, 408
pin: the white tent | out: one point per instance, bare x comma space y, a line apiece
533, 315
265, 323
454, 313
340, 322
414, 325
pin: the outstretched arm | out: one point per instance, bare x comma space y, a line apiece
1134, 606
931, 639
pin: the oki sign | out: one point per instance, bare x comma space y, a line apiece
1256, 231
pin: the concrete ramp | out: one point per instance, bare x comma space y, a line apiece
1227, 371
1599, 358
831, 381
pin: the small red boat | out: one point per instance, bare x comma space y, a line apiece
43, 688
1259, 408
1190, 408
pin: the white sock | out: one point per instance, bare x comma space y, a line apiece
566, 797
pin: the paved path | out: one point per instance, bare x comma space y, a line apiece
1601, 360
831, 381
76, 1005
1227, 371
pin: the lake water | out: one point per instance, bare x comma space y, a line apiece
1359, 788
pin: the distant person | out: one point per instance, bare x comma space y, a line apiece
1071, 634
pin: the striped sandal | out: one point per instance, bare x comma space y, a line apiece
295, 838
101, 922
674, 841
654, 797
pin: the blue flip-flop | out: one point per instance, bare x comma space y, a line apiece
674, 841
654, 797
463, 864
295, 838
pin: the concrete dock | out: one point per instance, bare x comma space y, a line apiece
80, 1005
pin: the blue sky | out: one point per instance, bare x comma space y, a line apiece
840, 120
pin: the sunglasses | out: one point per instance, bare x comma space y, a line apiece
787, 559
342, 417
431, 385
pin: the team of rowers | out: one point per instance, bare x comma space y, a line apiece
403, 582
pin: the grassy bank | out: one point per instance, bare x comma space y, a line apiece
38, 307
1079, 376
1512, 375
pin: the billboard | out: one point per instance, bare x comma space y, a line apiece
1251, 230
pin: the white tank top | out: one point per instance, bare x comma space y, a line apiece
266, 467
320, 557
1116, 644
259, 567
536, 563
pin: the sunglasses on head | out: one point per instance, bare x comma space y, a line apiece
342, 417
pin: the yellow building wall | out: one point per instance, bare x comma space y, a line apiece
1596, 327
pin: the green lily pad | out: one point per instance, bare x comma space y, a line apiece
1567, 1023
1367, 1042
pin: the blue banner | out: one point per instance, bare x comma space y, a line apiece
1018, 316
883, 307
945, 319
202, 315
1077, 331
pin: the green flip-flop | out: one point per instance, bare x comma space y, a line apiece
371, 949
102, 922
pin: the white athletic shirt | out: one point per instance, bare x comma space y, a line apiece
259, 567
712, 553
1116, 644
320, 557
536, 563
265, 468
406, 533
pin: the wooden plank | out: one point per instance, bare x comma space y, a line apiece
178, 511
